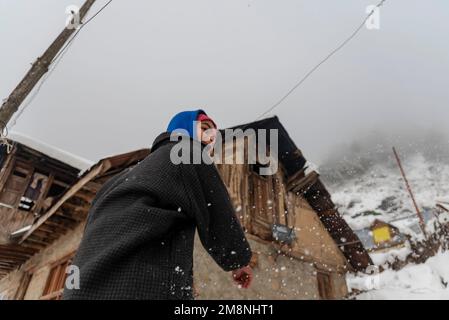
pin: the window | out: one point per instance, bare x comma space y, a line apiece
57, 188
56, 279
33, 192
20, 174
324, 285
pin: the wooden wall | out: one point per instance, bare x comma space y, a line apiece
17, 172
261, 201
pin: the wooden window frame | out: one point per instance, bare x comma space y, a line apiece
38, 203
324, 284
54, 285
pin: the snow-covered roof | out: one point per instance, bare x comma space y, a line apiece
51, 151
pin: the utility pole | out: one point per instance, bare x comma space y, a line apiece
37, 70
418, 212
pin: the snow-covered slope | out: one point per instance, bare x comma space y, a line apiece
365, 181
381, 193
366, 184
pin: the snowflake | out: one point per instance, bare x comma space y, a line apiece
178, 269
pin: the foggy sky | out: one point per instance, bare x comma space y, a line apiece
141, 61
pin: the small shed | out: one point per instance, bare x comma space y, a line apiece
381, 235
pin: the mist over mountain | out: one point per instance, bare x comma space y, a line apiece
352, 160
366, 184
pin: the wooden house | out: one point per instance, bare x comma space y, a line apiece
32, 177
302, 247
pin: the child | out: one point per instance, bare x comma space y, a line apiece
139, 235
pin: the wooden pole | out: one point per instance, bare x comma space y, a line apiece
37, 70
418, 212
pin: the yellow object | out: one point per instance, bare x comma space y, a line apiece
381, 234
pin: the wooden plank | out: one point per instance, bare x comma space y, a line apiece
43, 195
29, 171
12, 263
75, 207
66, 221
92, 186
78, 216
297, 176
36, 240
85, 196
15, 248
57, 225
77, 186
32, 245
44, 235
14, 255
47, 228
301, 185
6, 258
8, 266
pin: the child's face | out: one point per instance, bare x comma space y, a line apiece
207, 133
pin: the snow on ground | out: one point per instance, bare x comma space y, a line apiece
377, 191
381, 189
413, 282
381, 258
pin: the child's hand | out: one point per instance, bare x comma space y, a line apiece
243, 276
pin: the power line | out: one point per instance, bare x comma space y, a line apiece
54, 63
308, 74
82, 25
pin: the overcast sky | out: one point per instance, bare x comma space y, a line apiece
141, 61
